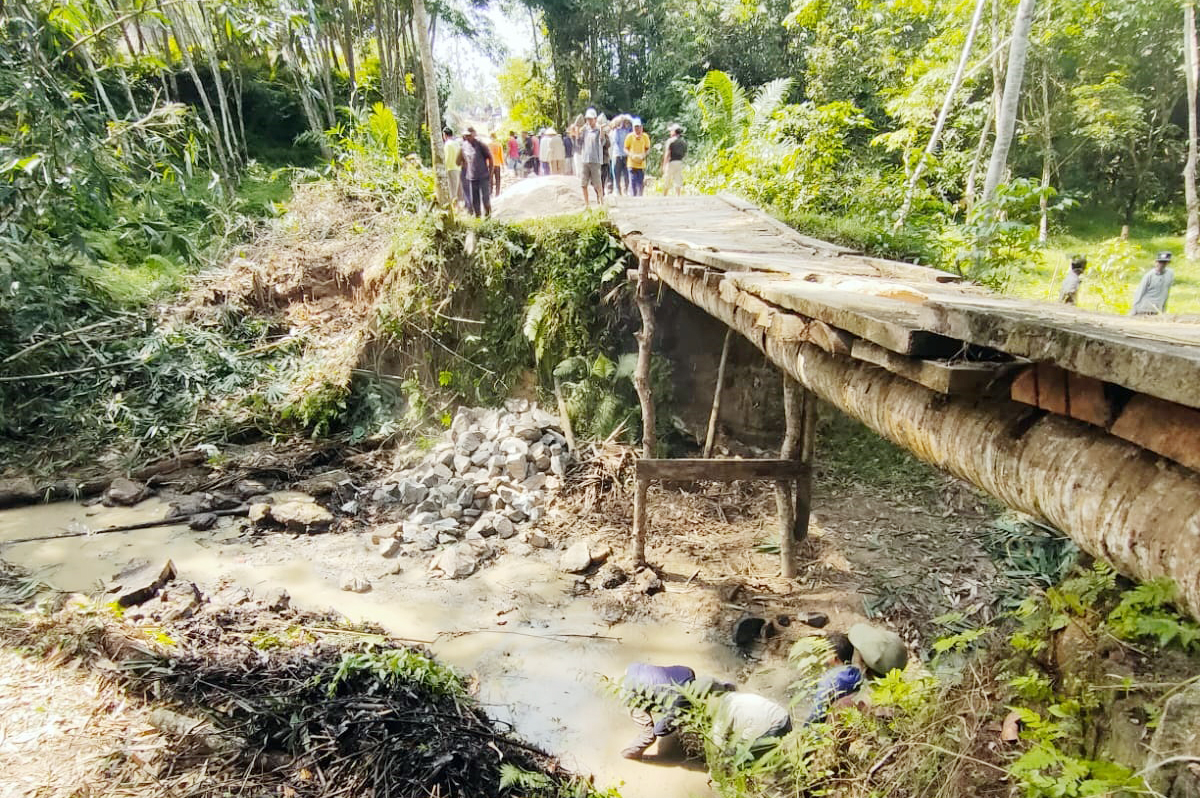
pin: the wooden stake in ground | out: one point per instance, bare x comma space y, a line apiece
641, 382
788, 450
711, 437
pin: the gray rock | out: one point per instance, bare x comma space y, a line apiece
424, 518
302, 515
516, 466
465, 496
464, 417
513, 445
324, 484
248, 488
543, 419
443, 471
473, 537
124, 492
19, 490
468, 443
389, 547
202, 521
412, 492
611, 575
384, 494
519, 548
430, 505
444, 457
259, 513
444, 525
425, 540
458, 561
143, 584
454, 511
461, 463
472, 513
646, 581
527, 432
350, 507
514, 515
446, 538
1177, 735
277, 599
558, 465
576, 559
537, 539
516, 405
503, 527
352, 583
482, 455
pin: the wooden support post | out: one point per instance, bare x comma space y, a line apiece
641, 382
808, 442
793, 412
711, 437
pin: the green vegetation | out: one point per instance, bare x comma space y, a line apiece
921, 731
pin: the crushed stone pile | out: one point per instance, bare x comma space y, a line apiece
489, 478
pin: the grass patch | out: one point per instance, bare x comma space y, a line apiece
849, 453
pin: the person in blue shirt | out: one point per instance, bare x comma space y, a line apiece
654, 690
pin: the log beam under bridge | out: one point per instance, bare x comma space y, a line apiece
1118, 500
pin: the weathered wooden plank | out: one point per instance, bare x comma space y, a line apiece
1155, 358
887, 322
1165, 428
1088, 401
1064, 392
948, 378
718, 469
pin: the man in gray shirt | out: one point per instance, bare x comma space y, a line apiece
1151, 295
590, 146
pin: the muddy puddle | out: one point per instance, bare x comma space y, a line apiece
538, 653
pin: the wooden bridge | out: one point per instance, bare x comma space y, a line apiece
1087, 421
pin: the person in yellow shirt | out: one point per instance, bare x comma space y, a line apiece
497, 162
637, 147
453, 171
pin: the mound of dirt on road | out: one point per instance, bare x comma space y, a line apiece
537, 197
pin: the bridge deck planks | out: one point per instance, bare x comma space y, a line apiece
848, 291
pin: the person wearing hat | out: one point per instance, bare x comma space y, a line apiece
673, 156
1151, 295
637, 147
590, 145
1070, 285
880, 650
476, 163
620, 158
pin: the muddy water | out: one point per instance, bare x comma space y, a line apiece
538, 654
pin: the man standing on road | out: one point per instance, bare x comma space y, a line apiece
451, 148
620, 159
476, 163
1150, 299
497, 153
514, 153
591, 157
637, 148
1069, 292
673, 157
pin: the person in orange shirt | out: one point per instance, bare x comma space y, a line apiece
497, 162
637, 147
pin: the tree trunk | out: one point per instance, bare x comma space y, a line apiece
190, 66
214, 68
433, 113
1006, 121
1191, 62
348, 44
1047, 160
1116, 500
947, 104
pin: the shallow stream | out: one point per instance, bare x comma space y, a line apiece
538, 653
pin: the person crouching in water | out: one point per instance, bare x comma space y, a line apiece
653, 690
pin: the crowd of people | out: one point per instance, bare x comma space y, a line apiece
609, 156
1150, 296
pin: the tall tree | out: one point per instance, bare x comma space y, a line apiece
433, 113
1006, 119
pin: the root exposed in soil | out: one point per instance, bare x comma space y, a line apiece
254, 701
